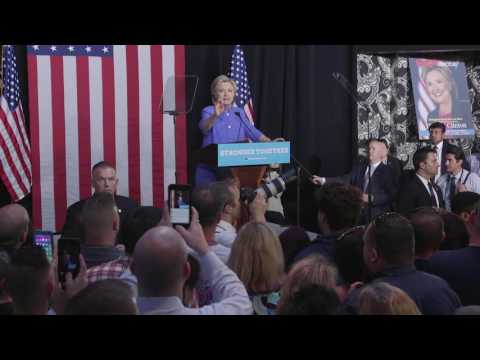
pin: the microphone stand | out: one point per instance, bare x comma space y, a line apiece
299, 168
350, 90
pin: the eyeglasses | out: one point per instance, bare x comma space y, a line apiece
350, 231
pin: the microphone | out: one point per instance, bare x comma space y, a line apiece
346, 85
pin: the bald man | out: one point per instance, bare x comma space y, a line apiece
161, 267
14, 227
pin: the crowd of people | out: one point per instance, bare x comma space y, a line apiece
390, 242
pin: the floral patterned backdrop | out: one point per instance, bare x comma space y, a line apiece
383, 83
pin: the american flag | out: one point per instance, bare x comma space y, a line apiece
90, 103
238, 72
15, 162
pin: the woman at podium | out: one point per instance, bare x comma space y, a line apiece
222, 123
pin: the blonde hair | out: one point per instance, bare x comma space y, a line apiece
222, 79
257, 258
384, 299
313, 270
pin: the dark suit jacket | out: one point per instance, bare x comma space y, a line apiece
382, 185
71, 228
414, 194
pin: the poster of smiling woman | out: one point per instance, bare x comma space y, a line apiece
441, 94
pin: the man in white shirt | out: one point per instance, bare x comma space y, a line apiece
161, 267
226, 232
457, 179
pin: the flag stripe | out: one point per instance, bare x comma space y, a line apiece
181, 120
20, 118
145, 124
121, 118
22, 142
46, 141
15, 148
35, 145
157, 126
83, 100
58, 135
96, 109
108, 110
133, 122
169, 144
71, 129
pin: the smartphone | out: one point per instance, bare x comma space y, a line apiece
179, 204
44, 239
68, 257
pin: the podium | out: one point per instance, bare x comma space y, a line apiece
247, 161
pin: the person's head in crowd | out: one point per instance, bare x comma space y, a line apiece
137, 222
104, 177
190, 295
464, 203
348, 255
30, 281
380, 298
456, 233
312, 270
6, 303
105, 297
311, 300
429, 231
229, 193
339, 207
223, 90
100, 220
389, 242
437, 132
14, 228
468, 310
425, 162
209, 203
160, 263
257, 258
454, 159
293, 240
377, 151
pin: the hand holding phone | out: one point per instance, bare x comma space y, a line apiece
44, 239
68, 258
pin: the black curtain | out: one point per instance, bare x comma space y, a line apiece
295, 97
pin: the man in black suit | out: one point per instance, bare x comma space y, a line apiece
104, 179
381, 185
437, 137
421, 190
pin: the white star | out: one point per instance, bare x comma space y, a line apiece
53, 48
88, 49
105, 49
71, 48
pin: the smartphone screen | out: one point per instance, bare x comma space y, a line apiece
179, 201
44, 239
68, 258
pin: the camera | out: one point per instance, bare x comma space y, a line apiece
270, 188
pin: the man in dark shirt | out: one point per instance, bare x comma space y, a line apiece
389, 252
104, 179
461, 267
339, 207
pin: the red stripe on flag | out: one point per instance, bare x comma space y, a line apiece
58, 132
16, 145
84, 149
157, 126
181, 121
108, 110
35, 141
8, 180
23, 142
133, 123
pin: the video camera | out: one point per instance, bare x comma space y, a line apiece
270, 188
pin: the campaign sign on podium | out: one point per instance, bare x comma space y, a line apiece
250, 154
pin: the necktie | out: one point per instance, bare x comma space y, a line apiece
433, 200
452, 187
365, 180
